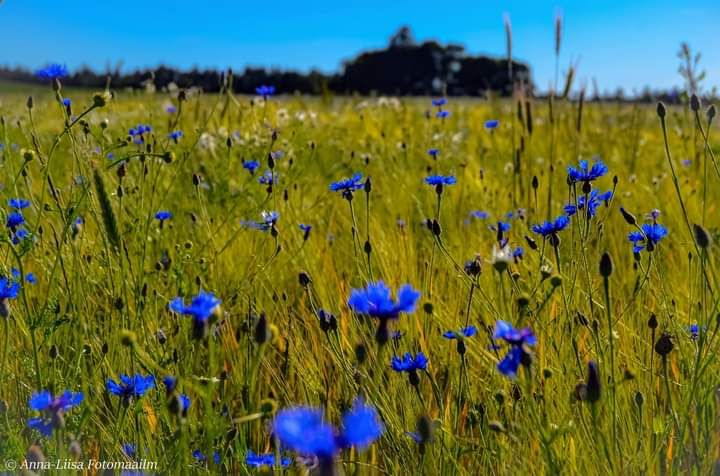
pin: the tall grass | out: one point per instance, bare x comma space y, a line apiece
100, 306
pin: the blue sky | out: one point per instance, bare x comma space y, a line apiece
619, 43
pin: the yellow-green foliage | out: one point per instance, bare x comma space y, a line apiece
103, 287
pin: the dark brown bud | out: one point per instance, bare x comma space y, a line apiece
664, 345
606, 265
661, 110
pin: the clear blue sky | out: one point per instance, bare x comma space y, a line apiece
620, 43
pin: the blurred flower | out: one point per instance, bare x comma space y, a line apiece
268, 178
518, 339
14, 220
128, 387
18, 203
53, 409
52, 71
175, 135
491, 124
163, 215
201, 307
260, 460
19, 236
265, 91
375, 301
433, 153
361, 425
594, 199
269, 220
464, 332
439, 102
251, 165
303, 430
408, 363
442, 114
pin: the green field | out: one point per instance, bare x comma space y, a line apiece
99, 307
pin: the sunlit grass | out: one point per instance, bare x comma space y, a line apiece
100, 307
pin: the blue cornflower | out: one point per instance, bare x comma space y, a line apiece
439, 102
501, 226
306, 230
201, 458
66, 102
479, 214
30, 277
184, 403
518, 339
129, 449
268, 222
468, 331
175, 135
375, 301
18, 203
518, 253
694, 331
651, 235
8, 289
268, 178
551, 228
139, 130
303, 430
53, 409
348, 185
433, 153
14, 220
361, 425
170, 383
171, 109
442, 114
251, 165
52, 71
260, 460
593, 202
19, 236
129, 387
437, 180
585, 173
163, 215
408, 363
201, 307
265, 91
491, 124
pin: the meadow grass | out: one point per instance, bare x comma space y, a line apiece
99, 307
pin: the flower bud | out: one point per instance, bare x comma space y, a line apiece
702, 237
661, 110
606, 265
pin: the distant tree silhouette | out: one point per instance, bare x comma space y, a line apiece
403, 68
